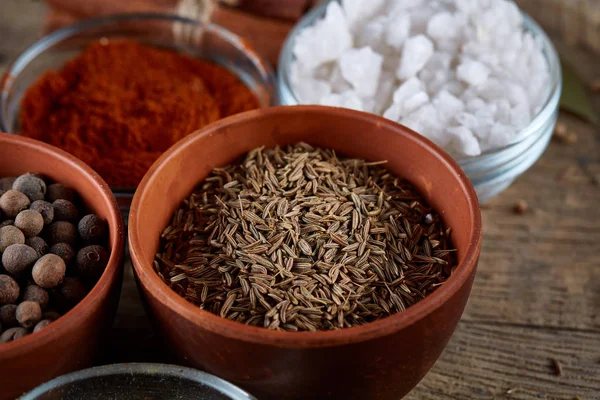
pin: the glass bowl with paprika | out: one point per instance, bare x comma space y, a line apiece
118, 91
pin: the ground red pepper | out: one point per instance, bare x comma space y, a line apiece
119, 105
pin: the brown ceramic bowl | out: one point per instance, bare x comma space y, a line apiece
70, 342
381, 360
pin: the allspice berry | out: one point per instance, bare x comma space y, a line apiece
64, 210
6, 183
31, 186
92, 229
62, 232
58, 191
51, 315
44, 208
29, 313
36, 294
38, 244
8, 316
91, 261
13, 202
13, 334
9, 290
49, 271
10, 235
8, 222
70, 293
64, 251
41, 325
30, 222
18, 258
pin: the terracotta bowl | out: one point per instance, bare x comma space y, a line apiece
71, 342
381, 360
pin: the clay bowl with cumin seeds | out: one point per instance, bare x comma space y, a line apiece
384, 359
71, 342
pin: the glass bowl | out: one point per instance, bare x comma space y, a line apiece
137, 382
494, 170
216, 44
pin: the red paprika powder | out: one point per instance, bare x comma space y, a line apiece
119, 105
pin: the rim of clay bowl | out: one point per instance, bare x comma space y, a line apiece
382, 327
220, 385
68, 321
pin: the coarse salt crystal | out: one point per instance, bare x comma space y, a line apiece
326, 40
361, 68
348, 99
464, 142
310, 91
472, 72
397, 30
415, 54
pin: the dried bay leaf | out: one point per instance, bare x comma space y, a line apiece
574, 96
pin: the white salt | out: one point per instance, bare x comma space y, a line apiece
397, 30
463, 73
361, 68
348, 99
472, 72
325, 41
311, 91
415, 54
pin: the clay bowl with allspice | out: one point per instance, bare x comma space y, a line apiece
70, 342
118, 91
383, 359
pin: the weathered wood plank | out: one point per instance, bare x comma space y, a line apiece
485, 361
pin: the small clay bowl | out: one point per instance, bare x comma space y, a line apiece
71, 342
381, 360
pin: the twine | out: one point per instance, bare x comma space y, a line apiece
199, 10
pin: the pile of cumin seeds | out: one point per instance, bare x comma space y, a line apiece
298, 239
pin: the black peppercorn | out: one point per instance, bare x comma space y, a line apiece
58, 191
13, 202
64, 251
13, 334
31, 186
9, 290
62, 232
92, 229
10, 235
44, 208
18, 258
91, 261
64, 210
30, 222
41, 325
49, 271
36, 294
8, 316
29, 313
38, 244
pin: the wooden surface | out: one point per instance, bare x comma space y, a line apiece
536, 299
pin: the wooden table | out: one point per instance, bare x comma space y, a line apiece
532, 326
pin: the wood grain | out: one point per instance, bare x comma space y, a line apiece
537, 293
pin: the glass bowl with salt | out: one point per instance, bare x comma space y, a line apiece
480, 79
